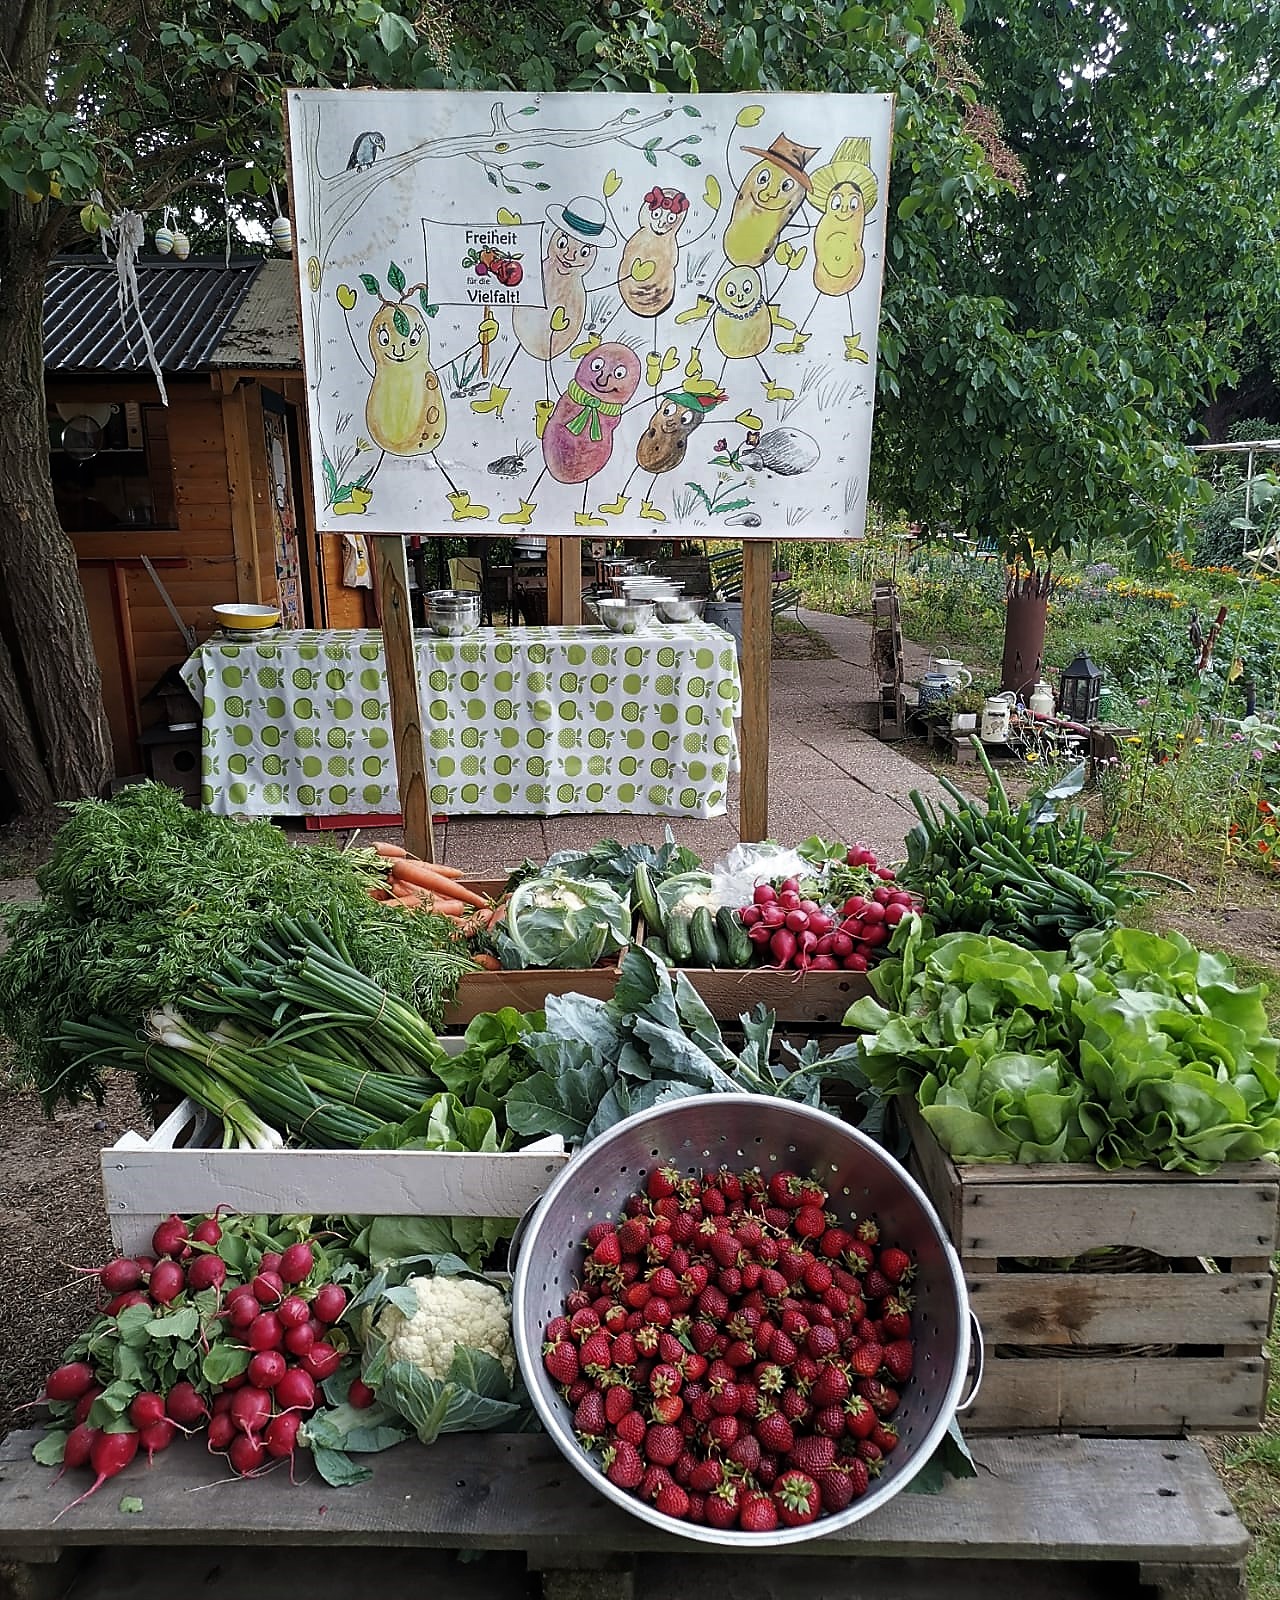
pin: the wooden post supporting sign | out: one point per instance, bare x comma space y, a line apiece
757, 641
391, 575
564, 582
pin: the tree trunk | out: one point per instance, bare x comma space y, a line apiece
51, 709
1026, 615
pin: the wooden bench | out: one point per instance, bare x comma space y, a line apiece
1051, 1516
726, 579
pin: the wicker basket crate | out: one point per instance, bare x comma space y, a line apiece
1160, 1331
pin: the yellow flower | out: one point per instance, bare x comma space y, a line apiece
1133, 739
1033, 755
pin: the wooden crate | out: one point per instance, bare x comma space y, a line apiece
181, 1169
526, 989
808, 997
1148, 1353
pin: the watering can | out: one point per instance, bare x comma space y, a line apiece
942, 679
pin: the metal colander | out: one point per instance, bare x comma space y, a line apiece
742, 1131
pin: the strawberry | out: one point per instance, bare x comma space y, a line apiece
831, 1386
577, 1389
667, 1408
859, 1477
697, 1507
836, 1488
814, 1454
834, 1242
713, 1304
810, 1222
871, 1453
596, 1353
782, 1350
607, 1252
817, 1277
714, 1203
759, 1514
795, 1406
821, 1342
883, 1399
655, 1480
557, 1329
723, 1431
637, 1294
589, 1419
584, 1321
663, 1181
791, 1263
885, 1436
895, 1318
740, 1354
730, 1280
722, 1505
576, 1300
663, 1444
769, 1468
867, 1359
700, 1408
692, 1365
615, 1318
794, 1321
773, 1285
778, 1218
561, 1361
745, 1452
631, 1428
657, 1311
665, 1211
672, 1501
775, 1433
661, 1244
812, 1193
836, 1301
875, 1286
859, 1256
665, 1380
683, 1228
797, 1498
706, 1476
859, 1419
868, 1231
829, 1421
895, 1264
805, 1370
770, 1378
664, 1283
622, 1465
646, 1339
624, 1350
899, 1358
786, 1190
633, 1236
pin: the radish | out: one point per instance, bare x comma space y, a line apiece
321, 1361
264, 1332
317, 1327
237, 1381
167, 1282
824, 963
270, 1262
894, 914
266, 1369
855, 963
878, 933
109, 1454
251, 1410
242, 1312
281, 1437
806, 941
873, 914
171, 1238
185, 1406
222, 1402
789, 900
880, 895
207, 1232
886, 874
791, 885
797, 921
773, 916
122, 1302
159, 1436
841, 945
360, 1396
823, 946
146, 1409
749, 916
820, 922
765, 894
809, 907
296, 1391
854, 904
329, 1303
247, 1456
79, 1447
297, 1263
783, 946
69, 1382
293, 1311
761, 933
268, 1288
297, 1341
221, 1432
207, 1272
118, 1275
84, 1405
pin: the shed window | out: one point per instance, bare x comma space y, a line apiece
111, 465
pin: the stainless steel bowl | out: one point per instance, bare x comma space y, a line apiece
743, 1131
625, 616
649, 588
681, 608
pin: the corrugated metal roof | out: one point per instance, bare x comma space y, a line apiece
187, 306
263, 331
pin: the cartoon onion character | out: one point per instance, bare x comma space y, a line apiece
767, 199
844, 192
647, 275
577, 441
665, 441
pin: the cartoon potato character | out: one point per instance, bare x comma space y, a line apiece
742, 323
654, 245
844, 192
405, 410
665, 441
767, 199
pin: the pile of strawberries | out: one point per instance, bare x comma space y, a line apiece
735, 1352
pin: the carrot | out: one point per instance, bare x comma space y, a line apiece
448, 872
376, 893
446, 908
404, 891
390, 852
426, 877
490, 963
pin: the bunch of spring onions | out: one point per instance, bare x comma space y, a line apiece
291, 1041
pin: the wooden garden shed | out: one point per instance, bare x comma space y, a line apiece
209, 490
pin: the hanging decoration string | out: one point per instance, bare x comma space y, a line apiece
128, 233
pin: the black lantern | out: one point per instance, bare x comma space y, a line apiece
1080, 689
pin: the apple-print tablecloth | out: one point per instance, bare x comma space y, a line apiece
539, 721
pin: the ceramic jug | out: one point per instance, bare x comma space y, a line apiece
995, 718
1041, 701
955, 672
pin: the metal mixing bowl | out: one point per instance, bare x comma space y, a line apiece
625, 616
742, 1131
681, 608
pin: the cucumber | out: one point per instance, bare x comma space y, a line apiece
733, 937
676, 933
655, 947
702, 935
646, 901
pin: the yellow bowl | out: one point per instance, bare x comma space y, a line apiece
246, 618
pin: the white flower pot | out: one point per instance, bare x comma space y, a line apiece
964, 721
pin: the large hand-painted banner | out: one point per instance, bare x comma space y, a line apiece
551, 314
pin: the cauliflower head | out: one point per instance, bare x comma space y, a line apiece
450, 1312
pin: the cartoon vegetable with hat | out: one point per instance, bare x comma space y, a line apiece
665, 440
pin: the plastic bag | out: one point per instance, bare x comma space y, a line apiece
735, 878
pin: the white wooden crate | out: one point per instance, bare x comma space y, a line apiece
181, 1169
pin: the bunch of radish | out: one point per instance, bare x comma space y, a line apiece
793, 929
181, 1341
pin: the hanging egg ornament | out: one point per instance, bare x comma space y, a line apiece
164, 241
181, 246
282, 234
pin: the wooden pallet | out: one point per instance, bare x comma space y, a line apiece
1059, 1517
1176, 1346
